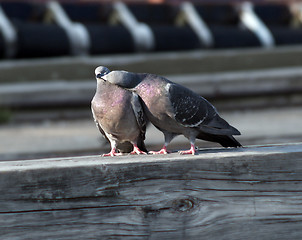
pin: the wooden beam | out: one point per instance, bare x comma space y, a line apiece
244, 193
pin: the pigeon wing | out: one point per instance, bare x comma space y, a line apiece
141, 119
192, 110
189, 109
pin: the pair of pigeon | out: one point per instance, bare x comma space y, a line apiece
124, 102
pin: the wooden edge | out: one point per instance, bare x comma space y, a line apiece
212, 154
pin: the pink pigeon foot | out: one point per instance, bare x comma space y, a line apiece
136, 150
162, 151
190, 151
112, 153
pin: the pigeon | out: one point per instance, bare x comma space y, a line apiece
119, 116
176, 110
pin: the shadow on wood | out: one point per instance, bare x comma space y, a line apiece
247, 193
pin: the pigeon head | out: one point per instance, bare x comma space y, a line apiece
101, 71
123, 79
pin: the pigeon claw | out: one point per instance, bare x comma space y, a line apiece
136, 150
162, 151
112, 153
190, 151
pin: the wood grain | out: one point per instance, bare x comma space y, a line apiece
248, 193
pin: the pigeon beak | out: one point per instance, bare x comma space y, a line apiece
99, 75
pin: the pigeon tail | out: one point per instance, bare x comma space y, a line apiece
223, 140
228, 141
218, 126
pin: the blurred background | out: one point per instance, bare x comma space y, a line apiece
244, 57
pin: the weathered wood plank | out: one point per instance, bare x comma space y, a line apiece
249, 193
